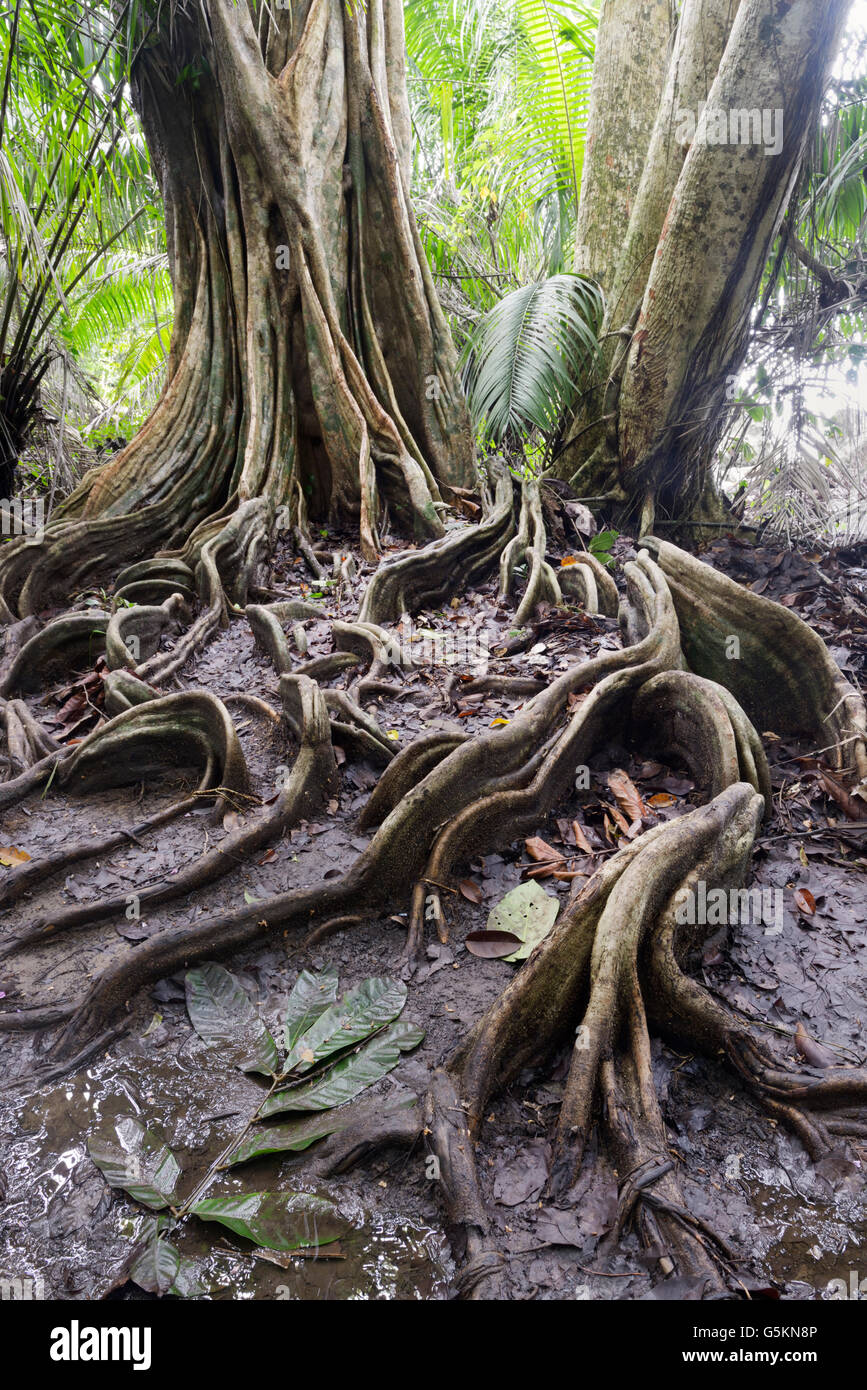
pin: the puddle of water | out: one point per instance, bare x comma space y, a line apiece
812, 1234
67, 1235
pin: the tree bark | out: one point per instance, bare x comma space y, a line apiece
692, 332
629, 71
311, 364
307, 335
708, 208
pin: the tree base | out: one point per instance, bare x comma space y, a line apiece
613, 965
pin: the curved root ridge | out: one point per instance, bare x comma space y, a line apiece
616, 962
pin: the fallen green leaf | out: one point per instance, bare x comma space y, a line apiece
221, 1012
351, 1075
156, 1267
300, 1134
311, 996
528, 912
138, 1161
276, 1220
363, 1010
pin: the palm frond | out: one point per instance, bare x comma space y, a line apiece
557, 69
125, 298
528, 354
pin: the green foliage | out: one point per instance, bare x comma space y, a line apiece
75, 186
221, 1012
138, 1161
276, 1220
499, 95
333, 1050
528, 354
349, 1076
600, 546
790, 453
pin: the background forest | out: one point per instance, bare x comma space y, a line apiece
499, 93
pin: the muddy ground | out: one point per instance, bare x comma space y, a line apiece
793, 1227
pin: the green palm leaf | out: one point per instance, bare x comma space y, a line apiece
528, 354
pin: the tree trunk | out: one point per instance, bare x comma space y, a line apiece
311, 369
631, 60
714, 191
311, 364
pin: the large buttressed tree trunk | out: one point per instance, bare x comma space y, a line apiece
632, 55
682, 283
311, 364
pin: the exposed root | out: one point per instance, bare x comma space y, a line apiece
411, 766
252, 702
451, 1141
729, 822
588, 583
37, 775
373, 1127
17, 635
427, 578
326, 668
618, 956
650, 1196
153, 581
777, 668
306, 790
685, 1013
528, 547
228, 562
702, 725
27, 743
191, 726
465, 778
592, 953
72, 639
518, 687
134, 634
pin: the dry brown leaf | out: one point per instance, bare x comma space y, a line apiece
543, 870
851, 806
10, 855
626, 794
471, 891
619, 819
492, 945
812, 1051
580, 838
805, 901
540, 850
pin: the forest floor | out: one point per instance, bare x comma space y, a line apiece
793, 1226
